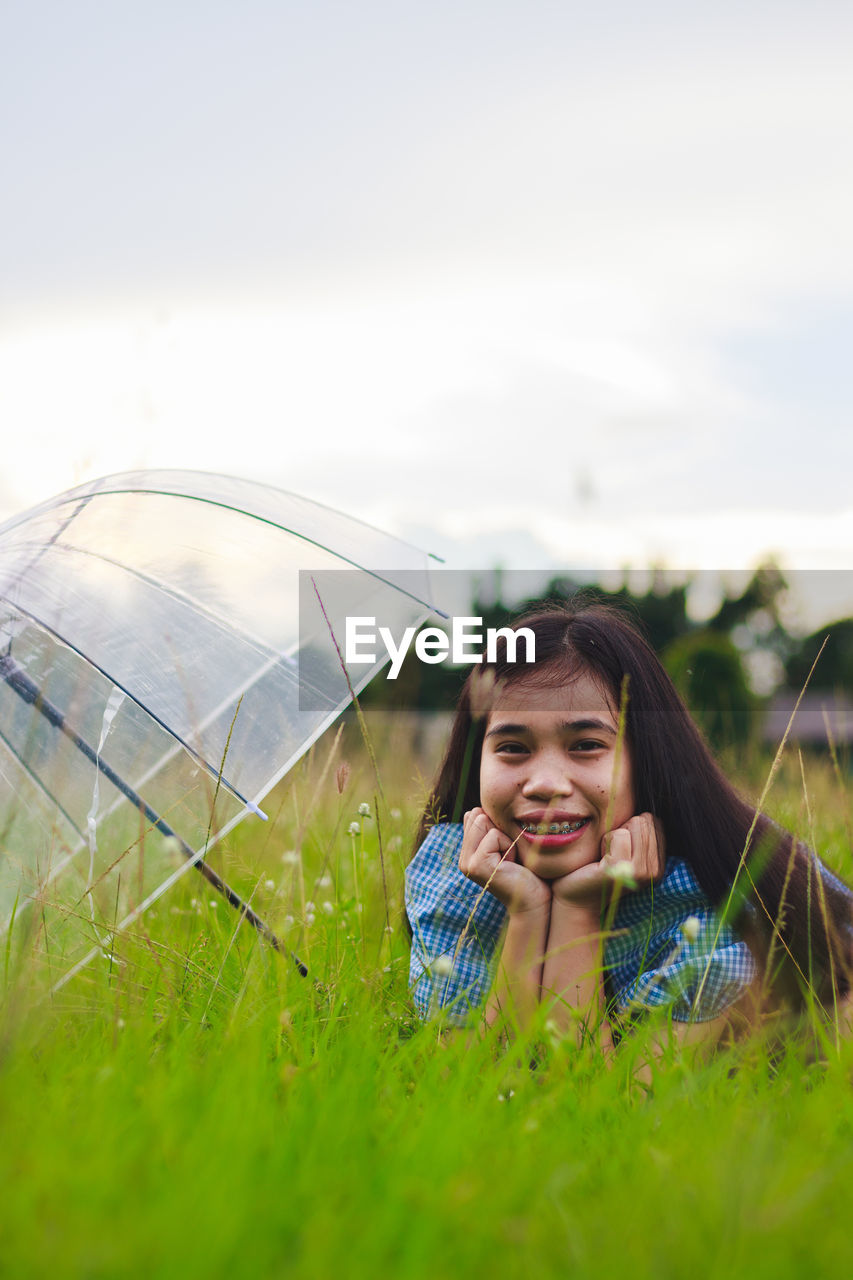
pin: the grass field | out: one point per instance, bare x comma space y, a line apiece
195, 1107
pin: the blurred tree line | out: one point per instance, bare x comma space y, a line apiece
724, 667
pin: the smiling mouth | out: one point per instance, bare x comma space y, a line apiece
553, 828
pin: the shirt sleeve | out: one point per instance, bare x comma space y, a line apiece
456, 926
668, 950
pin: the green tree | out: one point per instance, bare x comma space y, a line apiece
708, 672
834, 668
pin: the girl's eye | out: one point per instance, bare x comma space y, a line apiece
510, 748
588, 744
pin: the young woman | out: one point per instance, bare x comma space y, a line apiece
602, 857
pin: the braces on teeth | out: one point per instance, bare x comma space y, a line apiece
553, 828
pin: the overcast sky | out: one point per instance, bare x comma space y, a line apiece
530, 282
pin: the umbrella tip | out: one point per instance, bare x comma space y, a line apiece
253, 808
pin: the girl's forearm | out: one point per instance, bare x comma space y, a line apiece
517, 990
572, 977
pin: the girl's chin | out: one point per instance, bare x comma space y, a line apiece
551, 866
549, 872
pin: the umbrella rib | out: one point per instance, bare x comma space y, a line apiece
37, 781
214, 772
265, 651
45, 790
29, 692
173, 593
53, 540
275, 524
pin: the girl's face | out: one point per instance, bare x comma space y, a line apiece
548, 773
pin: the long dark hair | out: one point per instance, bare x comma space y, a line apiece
724, 840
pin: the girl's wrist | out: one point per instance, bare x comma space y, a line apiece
529, 911
582, 917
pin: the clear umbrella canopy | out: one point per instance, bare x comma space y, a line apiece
170, 644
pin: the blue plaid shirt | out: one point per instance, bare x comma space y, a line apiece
648, 961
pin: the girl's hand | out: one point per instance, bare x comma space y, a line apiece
486, 857
638, 846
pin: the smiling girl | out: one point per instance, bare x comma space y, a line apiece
603, 856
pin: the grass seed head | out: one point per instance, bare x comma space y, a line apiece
342, 777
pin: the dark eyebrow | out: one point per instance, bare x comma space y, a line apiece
589, 723
507, 728
572, 726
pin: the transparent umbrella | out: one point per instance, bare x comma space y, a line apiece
170, 644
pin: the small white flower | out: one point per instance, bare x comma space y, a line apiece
396, 815
622, 872
309, 919
441, 966
214, 903
691, 928
288, 921
328, 907
269, 884
364, 809
325, 882
172, 849
354, 828
309, 907
290, 857
394, 844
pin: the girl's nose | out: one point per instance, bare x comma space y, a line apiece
547, 778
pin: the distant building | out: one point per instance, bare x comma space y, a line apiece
821, 713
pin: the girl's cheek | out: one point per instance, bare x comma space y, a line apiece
491, 813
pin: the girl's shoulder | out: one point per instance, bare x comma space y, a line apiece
444, 837
440, 899
436, 860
